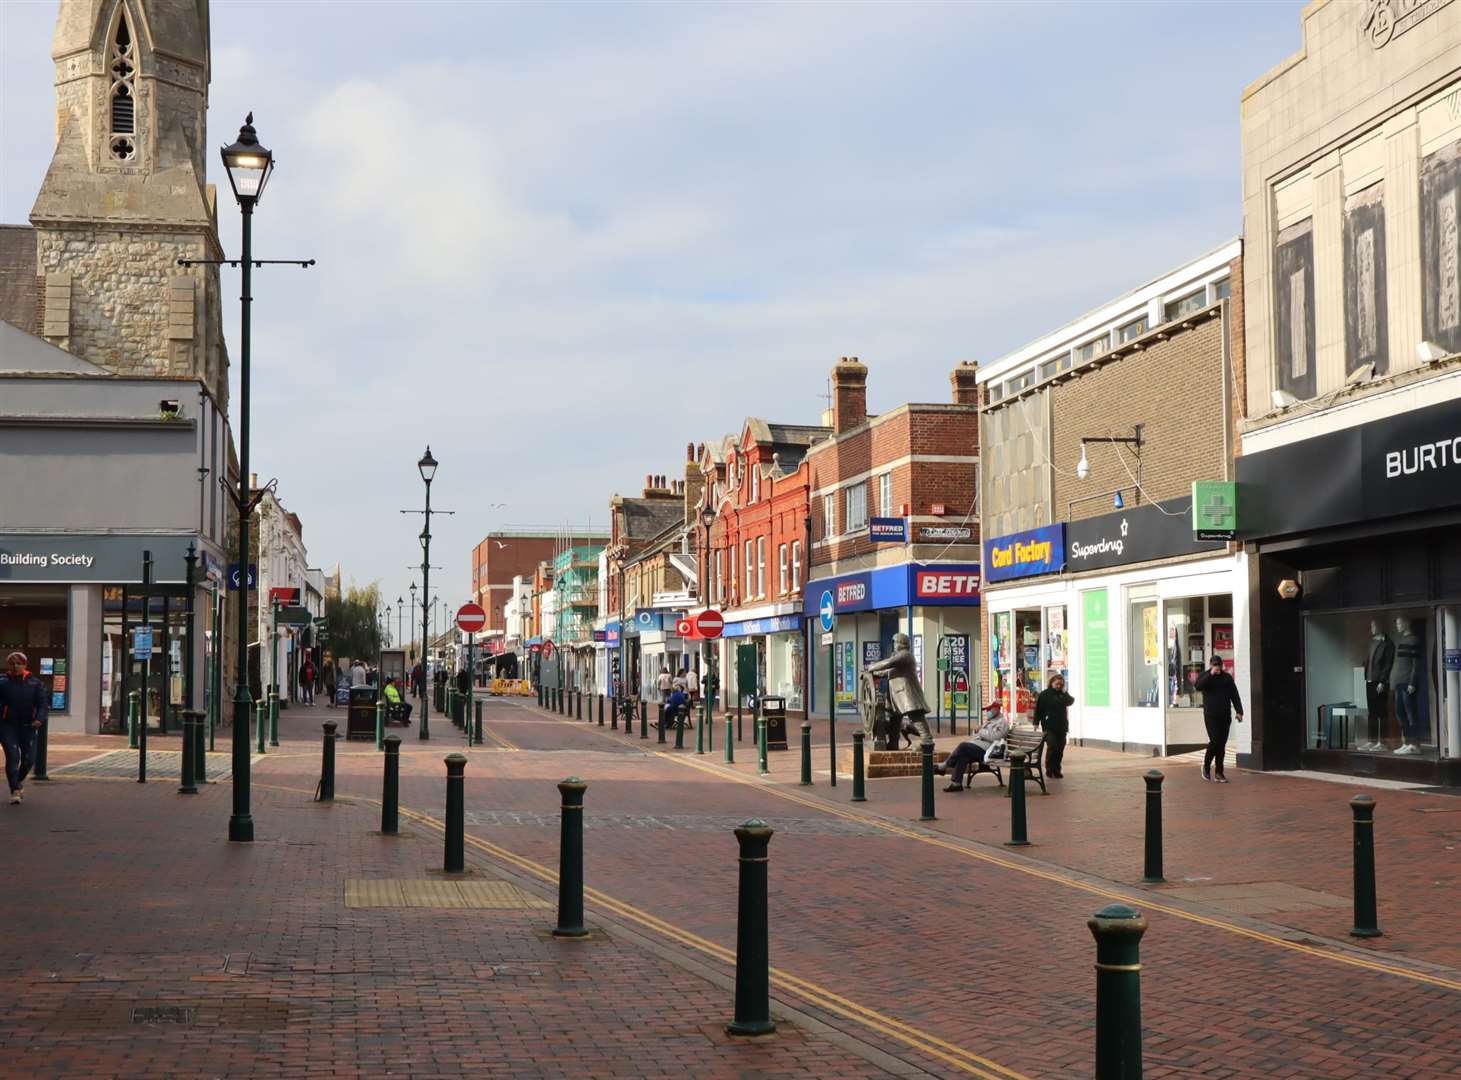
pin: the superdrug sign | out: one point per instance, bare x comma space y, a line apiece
1399, 465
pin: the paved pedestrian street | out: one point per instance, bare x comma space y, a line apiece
898, 948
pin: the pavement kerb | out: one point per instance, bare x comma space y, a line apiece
541, 880
1332, 949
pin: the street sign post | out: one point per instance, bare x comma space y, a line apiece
471, 618
233, 576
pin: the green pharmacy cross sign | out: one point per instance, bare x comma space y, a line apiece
1214, 509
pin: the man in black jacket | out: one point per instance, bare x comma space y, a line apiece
1050, 714
1219, 693
23, 709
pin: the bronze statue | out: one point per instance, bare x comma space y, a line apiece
905, 695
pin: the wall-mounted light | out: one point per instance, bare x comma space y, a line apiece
1288, 589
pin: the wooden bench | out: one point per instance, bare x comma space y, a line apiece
1032, 743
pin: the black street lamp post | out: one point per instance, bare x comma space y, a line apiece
427, 468
411, 622
400, 614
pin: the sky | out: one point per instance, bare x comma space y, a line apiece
557, 242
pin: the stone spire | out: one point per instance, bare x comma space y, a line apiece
126, 195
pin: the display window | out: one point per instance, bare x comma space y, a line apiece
1143, 649
786, 668
34, 620
1372, 681
1197, 628
1027, 647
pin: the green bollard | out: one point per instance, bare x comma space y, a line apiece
614, 715
643, 721
327, 765
660, 727
187, 785
925, 748
700, 730
1018, 835
661, 714
261, 709
274, 717
1118, 930
859, 777
43, 740
141, 747
601, 709
200, 752
806, 753
132, 720
455, 861
679, 721
578, 706
753, 956
709, 725
477, 725
1366, 918
380, 724
390, 817
763, 766
1152, 864
570, 861
730, 740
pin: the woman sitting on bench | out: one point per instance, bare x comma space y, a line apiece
995, 728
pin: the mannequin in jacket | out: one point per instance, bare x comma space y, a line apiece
1405, 673
1377, 683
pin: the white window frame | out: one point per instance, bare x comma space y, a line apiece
719, 577
855, 503
750, 563
796, 565
829, 515
755, 483
885, 495
761, 566
784, 565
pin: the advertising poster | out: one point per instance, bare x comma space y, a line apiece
918, 655
48, 665
955, 662
846, 674
1151, 646
1096, 640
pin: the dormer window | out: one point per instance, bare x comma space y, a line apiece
122, 67
755, 483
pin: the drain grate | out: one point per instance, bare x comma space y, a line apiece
500, 895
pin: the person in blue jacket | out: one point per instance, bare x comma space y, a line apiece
23, 709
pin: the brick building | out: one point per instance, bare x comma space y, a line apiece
1095, 434
894, 536
506, 553
753, 556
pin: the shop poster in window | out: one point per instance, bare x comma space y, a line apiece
1151, 645
846, 674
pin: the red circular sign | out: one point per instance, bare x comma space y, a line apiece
547, 648
710, 623
471, 618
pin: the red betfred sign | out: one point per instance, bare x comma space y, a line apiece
947, 585
471, 618
709, 623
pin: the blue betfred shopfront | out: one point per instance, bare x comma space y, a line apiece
935, 604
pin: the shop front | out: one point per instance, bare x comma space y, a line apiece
1357, 595
1128, 608
936, 604
777, 644
73, 604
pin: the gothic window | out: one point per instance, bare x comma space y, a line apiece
122, 66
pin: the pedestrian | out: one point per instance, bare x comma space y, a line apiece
23, 709
692, 685
1219, 693
307, 681
1050, 714
416, 679
977, 749
330, 683
665, 683
357, 674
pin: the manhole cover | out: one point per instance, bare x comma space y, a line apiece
1434, 809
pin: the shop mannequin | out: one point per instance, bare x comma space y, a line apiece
1403, 677
1377, 683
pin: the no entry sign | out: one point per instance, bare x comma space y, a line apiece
471, 618
710, 623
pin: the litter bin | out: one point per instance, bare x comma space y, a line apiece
773, 715
439, 696
360, 723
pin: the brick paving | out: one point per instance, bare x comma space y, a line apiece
867, 911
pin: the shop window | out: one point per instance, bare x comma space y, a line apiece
796, 564
1144, 654
856, 508
33, 621
1368, 682
1197, 629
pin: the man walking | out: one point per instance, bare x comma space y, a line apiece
1219, 692
307, 681
23, 709
1050, 714
665, 683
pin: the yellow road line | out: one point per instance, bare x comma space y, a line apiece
1145, 901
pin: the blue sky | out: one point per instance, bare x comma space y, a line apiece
561, 241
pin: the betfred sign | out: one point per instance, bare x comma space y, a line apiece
946, 585
851, 592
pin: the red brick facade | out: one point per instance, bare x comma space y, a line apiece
503, 555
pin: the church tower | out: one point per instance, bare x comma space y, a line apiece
125, 196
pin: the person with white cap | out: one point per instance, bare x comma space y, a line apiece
23, 709
996, 726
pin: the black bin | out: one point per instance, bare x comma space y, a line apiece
360, 723
773, 714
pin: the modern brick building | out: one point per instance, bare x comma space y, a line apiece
893, 532
1093, 436
505, 553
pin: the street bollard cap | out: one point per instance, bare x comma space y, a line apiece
392, 741
754, 830
573, 783
330, 727
1153, 776
455, 762
1116, 925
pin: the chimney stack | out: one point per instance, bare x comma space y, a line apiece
966, 390
253, 481
849, 394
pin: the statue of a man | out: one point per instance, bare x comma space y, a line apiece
904, 691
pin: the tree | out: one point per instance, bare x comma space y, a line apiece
350, 622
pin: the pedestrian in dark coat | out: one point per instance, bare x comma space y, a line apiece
23, 709
1050, 714
1219, 695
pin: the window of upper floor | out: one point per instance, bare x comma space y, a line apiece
856, 497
